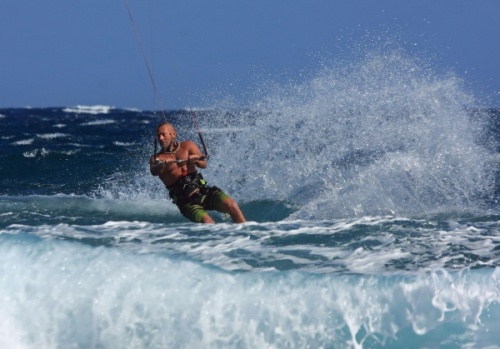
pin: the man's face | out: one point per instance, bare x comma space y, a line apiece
165, 135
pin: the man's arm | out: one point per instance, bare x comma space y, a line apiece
155, 165
195, 156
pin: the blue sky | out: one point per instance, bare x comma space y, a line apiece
84, 52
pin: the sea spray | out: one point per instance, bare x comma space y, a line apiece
382, 135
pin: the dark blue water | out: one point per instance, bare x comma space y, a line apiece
371, 192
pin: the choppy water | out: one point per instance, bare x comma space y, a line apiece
372, 199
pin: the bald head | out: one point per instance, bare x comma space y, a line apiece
168, 124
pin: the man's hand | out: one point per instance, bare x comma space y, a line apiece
192, 159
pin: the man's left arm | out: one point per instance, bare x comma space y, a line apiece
195, 156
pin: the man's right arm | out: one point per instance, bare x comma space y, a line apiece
154, 166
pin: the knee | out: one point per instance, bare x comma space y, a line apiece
230, 206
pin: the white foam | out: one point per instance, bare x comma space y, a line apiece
52, 135
11, 333
82, 109
124, 144
141, 300
35, 153
133, 109
80, 145
70, 152
98, 122
24, 142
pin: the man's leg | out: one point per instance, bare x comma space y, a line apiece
207, 219
231, 207
196, 213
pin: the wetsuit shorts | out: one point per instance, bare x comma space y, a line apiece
194, 197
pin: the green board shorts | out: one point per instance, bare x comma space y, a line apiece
194, 197
198, 208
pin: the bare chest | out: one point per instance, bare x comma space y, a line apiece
172, 170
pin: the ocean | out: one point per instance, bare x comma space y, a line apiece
371, 193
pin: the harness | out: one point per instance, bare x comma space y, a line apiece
188, 189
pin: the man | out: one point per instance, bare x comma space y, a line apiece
176, 165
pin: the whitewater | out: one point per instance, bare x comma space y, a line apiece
371, 193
